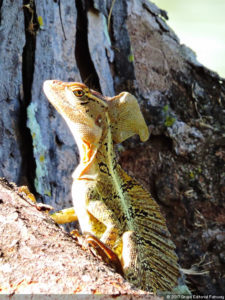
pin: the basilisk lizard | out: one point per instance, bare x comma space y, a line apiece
108, 203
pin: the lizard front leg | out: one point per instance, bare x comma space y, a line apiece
100, 211
66, 215
125, 247
63, 216
110, 244
94, 216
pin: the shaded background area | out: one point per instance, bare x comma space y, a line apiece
201, 26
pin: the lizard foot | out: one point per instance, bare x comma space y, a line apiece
63, 216
25, 192
108, 256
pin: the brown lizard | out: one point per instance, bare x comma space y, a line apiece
108, 203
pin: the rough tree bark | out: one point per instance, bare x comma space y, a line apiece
114, 46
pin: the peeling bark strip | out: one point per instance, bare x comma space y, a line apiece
183, 102
100, 50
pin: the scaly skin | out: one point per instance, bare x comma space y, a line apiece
108, 203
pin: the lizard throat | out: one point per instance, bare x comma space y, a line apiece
96, 160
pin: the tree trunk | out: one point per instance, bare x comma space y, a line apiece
114, 46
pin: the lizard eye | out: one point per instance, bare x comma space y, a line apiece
78, 93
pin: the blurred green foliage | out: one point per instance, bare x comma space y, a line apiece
200, 25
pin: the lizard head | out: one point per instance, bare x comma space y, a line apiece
89, 114
83, 109
68, 97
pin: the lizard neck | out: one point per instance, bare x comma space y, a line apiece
96, 160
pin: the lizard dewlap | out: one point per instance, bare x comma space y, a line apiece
110, 204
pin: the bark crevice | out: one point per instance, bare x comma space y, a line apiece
84, 62
28, 60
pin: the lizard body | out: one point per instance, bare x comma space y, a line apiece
108, 203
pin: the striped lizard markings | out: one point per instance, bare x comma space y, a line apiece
109, 204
